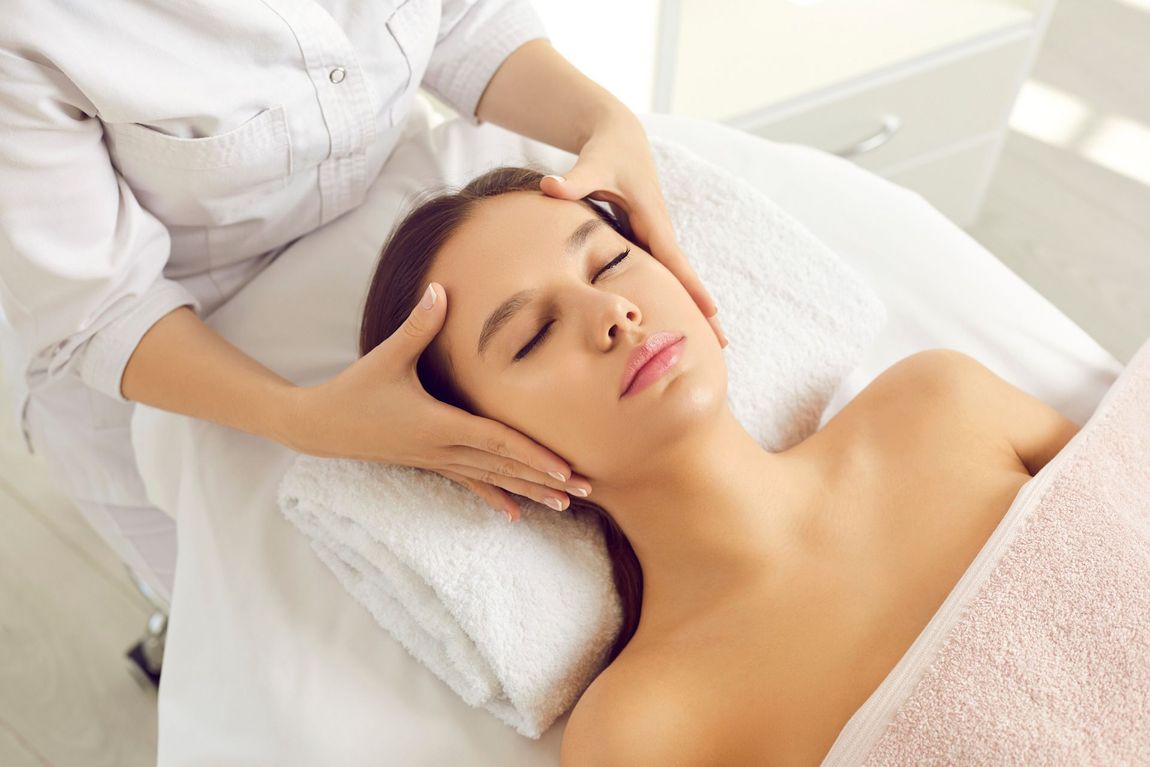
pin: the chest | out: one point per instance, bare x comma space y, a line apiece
798, 660
242, 126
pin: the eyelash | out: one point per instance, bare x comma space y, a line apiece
542, 334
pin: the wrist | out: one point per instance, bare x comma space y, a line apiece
611, 115
286, 416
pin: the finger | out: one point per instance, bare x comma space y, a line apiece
497, 499
508, 467
505, 442
652, 223
674, 259
583, 179
554, 185
423, 323
718, 331
544, 495
681, 268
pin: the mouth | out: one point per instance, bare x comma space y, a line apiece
650, 359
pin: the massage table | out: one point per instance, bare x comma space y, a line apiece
270, 662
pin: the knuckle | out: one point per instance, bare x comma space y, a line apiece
497, 446
507, 468
411, 329
488, 478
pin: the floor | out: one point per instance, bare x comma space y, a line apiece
1065, 210
68, 613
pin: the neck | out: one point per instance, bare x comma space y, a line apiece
715, 513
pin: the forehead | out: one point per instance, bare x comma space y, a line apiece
508, 243
527, 224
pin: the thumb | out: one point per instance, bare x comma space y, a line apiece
422, 324
575, 184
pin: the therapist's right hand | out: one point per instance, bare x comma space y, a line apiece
377, 410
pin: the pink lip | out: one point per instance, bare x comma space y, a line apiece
650, 360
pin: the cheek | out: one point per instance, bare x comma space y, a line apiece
532, 413
559, 416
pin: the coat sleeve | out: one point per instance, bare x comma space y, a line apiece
475, 38
81, 262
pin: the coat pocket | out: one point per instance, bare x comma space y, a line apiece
207, 181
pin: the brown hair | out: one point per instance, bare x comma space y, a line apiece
398, 283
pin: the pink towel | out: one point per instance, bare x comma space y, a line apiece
1041, 653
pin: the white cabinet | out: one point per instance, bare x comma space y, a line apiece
918, 108
919, 91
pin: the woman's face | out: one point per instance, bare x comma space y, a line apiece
563, 388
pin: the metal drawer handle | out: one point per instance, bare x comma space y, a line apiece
890, 126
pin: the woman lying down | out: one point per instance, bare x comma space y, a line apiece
767, 595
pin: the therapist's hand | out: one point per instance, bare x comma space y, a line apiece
615, 166
377, 410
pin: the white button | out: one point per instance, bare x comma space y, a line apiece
336, 75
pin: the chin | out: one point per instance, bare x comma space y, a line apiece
674, 406
693, 383
632, 439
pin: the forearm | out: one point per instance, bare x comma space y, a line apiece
539, 94
183, 366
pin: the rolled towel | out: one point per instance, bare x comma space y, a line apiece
520, 619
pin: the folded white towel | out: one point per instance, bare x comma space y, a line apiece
519, 619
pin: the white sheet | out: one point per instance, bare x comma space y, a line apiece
270, 662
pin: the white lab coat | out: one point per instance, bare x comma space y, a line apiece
156, 155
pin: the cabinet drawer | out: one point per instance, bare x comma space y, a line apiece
954, 181
910, 113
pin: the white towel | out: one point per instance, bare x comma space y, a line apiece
519, 619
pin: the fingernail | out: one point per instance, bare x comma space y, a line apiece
507, 514
558, 475
560, 179
554, 503
429, 297
577, 491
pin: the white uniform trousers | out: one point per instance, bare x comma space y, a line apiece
85, 439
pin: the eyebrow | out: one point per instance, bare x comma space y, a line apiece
509, 308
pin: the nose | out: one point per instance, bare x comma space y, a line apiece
621, 318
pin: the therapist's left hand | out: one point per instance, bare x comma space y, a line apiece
615, 166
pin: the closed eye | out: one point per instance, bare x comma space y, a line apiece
542, 334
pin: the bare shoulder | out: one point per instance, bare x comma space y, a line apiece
935, 372
624, 719
959, 388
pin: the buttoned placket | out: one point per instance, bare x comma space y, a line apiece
345, 100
